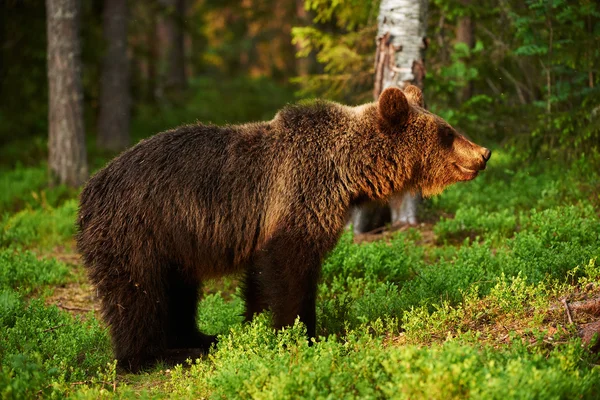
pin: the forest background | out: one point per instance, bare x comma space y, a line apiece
493, 295
515, 72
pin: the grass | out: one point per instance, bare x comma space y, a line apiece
474, 312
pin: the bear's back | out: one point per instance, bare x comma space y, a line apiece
194, 193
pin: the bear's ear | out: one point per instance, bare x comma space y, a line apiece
414, 94
393, 106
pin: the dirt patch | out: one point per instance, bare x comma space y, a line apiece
78, 298
385, 233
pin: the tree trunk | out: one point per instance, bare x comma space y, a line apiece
113, 121
401, 44
67, 160
303, 64
153, 57
173, 48
465, 34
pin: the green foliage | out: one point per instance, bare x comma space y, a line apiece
515, 184
343, 41
23, 270
502, 236
43, 350
534, 63
256, 362
376, 260
216, 316
473, 222
563, 37
45, 227
27, 187
530, 78
347, 14
394, 317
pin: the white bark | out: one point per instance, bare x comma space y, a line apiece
403, 23
401, 44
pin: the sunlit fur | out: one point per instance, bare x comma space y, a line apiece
268, 200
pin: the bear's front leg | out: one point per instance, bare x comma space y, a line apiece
289, 273
254, 293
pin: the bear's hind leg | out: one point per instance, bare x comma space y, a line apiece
135, 312
182, 328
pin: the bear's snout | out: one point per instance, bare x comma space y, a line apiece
487, 154
470, 158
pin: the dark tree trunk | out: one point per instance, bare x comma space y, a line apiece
67, 160
464, 31
303, 64
174, 49
113, 120
153, 57
465, 34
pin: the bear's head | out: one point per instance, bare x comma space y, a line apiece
439, 155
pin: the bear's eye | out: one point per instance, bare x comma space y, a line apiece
446, 136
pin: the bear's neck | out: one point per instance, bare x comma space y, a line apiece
377, 164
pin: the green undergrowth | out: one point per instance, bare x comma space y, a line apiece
42, 228
26, 187
44, 351
254, 362
460, 308
23, 271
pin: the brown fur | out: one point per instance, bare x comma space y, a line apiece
266, 199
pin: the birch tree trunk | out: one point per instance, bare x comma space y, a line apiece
401, 44
113, 120
67, 160
400, 61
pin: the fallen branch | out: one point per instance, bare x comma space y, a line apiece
590, 306
564, 301
53, 328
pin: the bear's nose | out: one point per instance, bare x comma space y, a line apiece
487, 154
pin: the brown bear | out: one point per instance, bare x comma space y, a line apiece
267, 199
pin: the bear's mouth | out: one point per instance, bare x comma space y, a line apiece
465, 170
467, 173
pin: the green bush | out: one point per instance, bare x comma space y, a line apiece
24, 271
254, 362
43, 349
511, 183
473, 221
45, 227
379, 260
216, 316
27, 187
